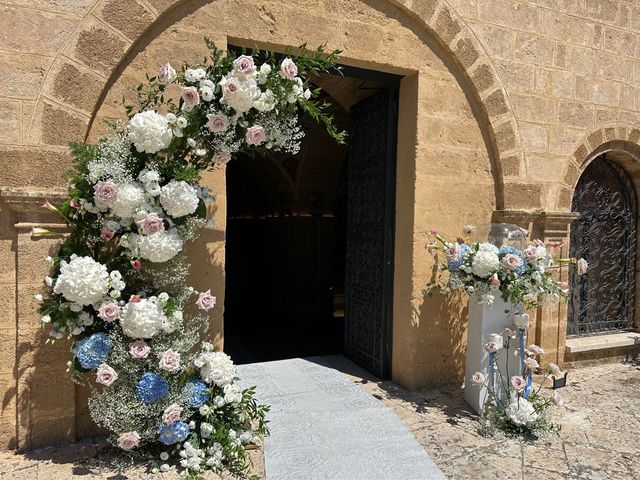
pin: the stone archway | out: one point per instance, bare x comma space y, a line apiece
109, 32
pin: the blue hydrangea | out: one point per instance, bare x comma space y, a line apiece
173, 433
196, 393
454, 264
93, 350
152, 388
508, 250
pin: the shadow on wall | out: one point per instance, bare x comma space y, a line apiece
38, 397
440, 323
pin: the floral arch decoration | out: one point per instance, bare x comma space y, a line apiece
118, 284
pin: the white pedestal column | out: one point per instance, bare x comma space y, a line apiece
485, 320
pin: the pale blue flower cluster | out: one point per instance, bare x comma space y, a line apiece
152, 388
93, 350
173, 433
196, 393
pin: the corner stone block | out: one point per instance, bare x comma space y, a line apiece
16, 164
522, 195
446, 26
572, 175
466, 51
596, 139
74, 85
97, 47
56, 126
483, 78
128, 16
424, 9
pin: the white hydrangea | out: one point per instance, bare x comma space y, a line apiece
149, 131
159, 247
82, 280
521, 411
485, 263
178, 198
142, 319
130, 197
216, 368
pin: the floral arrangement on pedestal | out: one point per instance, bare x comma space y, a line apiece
524, 278
520, 276
515, 405
118, 284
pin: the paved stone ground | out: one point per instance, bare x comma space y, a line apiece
599, 440
600, 437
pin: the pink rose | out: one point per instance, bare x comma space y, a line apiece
218, 122
206, 301
230, 86
167, 74
129, 440
512, 261
518, 383
495, 281
478, 378
151, 224
531, 252
288, 69
106, 375
255, 135
535, 349
190, 96
172, 413
244, 64
106, 235
136, 264
222, 158
134, 298
170, 361
582, 266
555, 370
532, 363
106, 192
557, 399
453, 251
139, 349
109, 312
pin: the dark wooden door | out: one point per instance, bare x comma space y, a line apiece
370, 224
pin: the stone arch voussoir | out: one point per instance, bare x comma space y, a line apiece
619, 137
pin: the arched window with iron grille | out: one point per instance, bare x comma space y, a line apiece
605, 235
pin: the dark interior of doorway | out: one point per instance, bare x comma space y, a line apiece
286, 240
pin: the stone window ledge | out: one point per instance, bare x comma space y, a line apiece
602, 342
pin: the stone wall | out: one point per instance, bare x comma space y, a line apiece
502, 103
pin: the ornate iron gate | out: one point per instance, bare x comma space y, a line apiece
605, 235
370, 221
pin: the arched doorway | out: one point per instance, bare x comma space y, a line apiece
605, 235
309, 256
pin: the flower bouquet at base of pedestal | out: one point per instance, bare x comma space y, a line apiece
118, 285
515, 404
